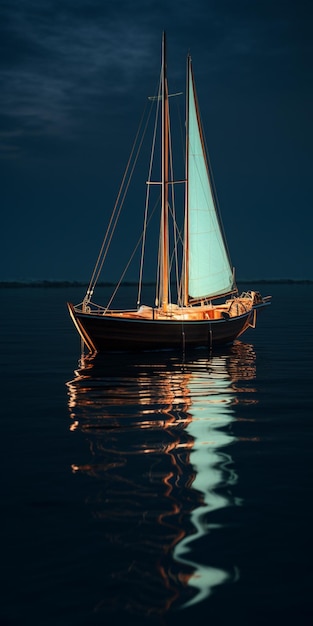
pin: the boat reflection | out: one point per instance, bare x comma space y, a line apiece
159, 433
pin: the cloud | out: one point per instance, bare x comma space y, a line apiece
56, 59
63, 59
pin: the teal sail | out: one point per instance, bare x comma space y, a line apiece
209, 270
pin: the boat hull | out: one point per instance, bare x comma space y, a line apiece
104, 333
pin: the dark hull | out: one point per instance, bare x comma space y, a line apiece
102, 333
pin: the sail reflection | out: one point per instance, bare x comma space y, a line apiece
159, 433
212, 412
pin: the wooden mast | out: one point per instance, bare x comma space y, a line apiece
165, 158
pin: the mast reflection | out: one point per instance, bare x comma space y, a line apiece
159, 435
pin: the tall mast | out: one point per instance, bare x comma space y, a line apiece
165, 159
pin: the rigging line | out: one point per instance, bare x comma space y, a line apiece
178, 238
168, 203
176, 230
122, 202
170, 95
181, 123
123, 198
158, 280
128, 263
159, 296
103, 253
180, 300
147, 197
93, 280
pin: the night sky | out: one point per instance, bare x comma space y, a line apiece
75, 75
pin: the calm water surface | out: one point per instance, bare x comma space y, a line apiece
157, 489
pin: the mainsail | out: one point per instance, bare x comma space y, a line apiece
210, 272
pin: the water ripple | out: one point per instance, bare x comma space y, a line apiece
159, 437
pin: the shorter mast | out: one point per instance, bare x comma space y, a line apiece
186, 225
165, 160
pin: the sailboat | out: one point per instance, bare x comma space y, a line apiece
207, 309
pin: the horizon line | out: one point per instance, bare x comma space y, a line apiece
82, 283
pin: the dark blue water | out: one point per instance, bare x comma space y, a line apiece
155, 489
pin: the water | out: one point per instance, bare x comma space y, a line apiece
155, 489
